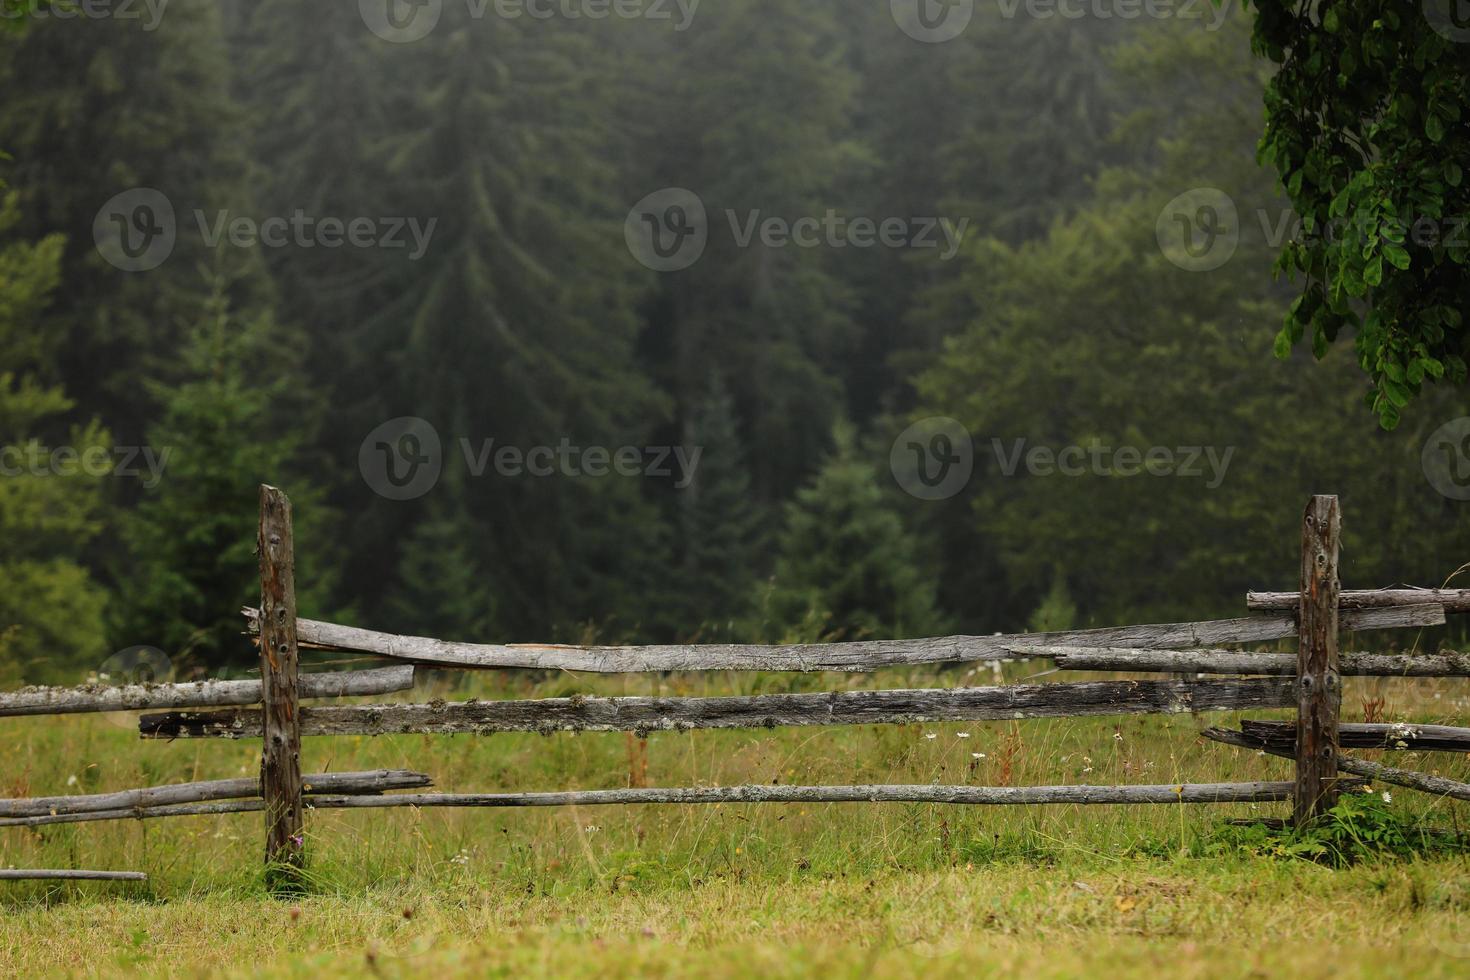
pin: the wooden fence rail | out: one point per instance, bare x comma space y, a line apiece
858, 656
198, 694
1423, 782
1453, 600
1417, 738
972, 795
21, 874
351, 783
1309, 680
648, 714
1237, 662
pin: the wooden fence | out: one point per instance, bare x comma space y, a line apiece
1310, 681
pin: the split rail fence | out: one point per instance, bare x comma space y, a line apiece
1309, 681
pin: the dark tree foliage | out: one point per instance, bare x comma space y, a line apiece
529, 320
1366, 124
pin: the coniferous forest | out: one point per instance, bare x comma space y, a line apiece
739, 320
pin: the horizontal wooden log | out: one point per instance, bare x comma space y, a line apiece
1420, 738
1453, 600
376, 781
198, 694
974, 795
1434, 785
856, 656
1238, 662
13, 874
216, 808
254, 805
643, 714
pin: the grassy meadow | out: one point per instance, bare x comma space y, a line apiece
733, 890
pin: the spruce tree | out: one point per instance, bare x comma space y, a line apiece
848, 568
234, 422
757, 121
720, 534
97, 107
50, 608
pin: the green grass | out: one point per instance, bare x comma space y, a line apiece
732, 890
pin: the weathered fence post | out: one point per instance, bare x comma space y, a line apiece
1319, 685
280, 758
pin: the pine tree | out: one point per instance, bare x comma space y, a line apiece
95, 107
720, 533
442, 588
50, 607
518, 324
848, 569
756, 121
233, 423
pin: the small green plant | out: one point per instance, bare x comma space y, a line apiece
1362, 825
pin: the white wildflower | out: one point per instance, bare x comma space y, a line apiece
931, 736
977, 755
71, 780
962, 734
1387, 796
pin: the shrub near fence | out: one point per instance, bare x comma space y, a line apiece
1309, 681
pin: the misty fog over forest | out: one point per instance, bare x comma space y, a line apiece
738, 320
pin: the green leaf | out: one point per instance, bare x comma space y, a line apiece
1388, 416
1283, 344
1397, 255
